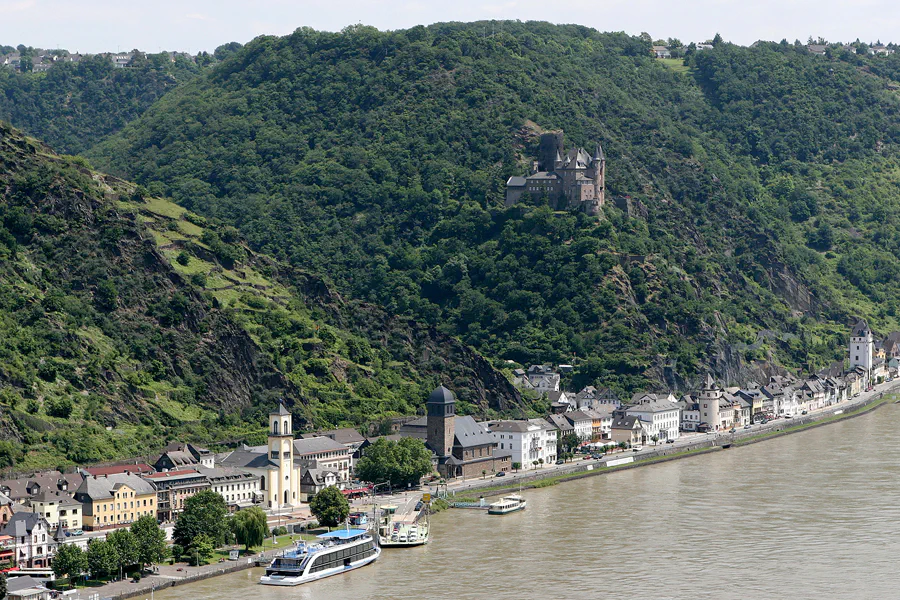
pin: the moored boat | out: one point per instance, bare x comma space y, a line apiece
396, 531
337, 552
506, 505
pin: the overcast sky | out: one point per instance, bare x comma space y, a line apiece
194, 25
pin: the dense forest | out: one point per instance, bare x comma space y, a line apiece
126, 322
72, 105
761, 184
340, 236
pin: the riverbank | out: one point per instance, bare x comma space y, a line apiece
490, 487
539, 479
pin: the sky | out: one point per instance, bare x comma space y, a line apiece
195, 25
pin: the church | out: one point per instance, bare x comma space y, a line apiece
573, 180
462, 446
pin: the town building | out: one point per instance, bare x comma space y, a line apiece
179, 456
115, 500
173, 488
33, 538
573, 180
690, 412
280, 465
542, 379
27, 588
24, 488
659, 414
561, 424
135, 468
530, 441
58, 508
582, 424
463, 447
628, 429
7, 550
601, 422
6, 509
661, 52
239, 488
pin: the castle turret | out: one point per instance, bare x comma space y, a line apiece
862, 345
598, 162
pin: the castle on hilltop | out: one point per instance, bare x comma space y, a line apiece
573, 180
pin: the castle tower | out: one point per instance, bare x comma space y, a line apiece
441, 412
710, 398
598, 162
862, 346
281, 452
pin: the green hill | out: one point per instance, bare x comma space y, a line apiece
762, 183
126, 321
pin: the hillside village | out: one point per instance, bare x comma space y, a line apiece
40, 60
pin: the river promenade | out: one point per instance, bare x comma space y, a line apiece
693, 445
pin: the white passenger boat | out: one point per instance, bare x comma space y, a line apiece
507, 504
337, 552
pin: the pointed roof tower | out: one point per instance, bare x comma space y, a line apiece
282, 411
861, 329
710, 382
598, 154
60, 535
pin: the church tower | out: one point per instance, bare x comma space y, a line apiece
281, 452
862, 346
441, 415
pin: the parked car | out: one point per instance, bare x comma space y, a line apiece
670, 441
747, 426
560, 462
804, 412
637, 448
732, 430
501, 474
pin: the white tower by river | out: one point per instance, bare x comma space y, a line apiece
281, 453
862, 346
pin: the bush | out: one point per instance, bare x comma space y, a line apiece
279, 530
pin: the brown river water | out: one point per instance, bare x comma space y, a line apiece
811, 515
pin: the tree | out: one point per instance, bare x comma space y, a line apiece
401, 463
70, 561
541, 461
534, 464
330, 506
128, 553
569, 442
516, 466
201, 549
150, 538
250, 527
102, 559
204, 513
483, 473
2, 585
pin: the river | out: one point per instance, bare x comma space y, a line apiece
810, 515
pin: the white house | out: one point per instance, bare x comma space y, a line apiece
690, 413
542, 379
661, 52
583, 424
34, 541
529, 441
660, 414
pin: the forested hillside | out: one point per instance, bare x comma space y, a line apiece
73, 105
763, 187
126, 321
